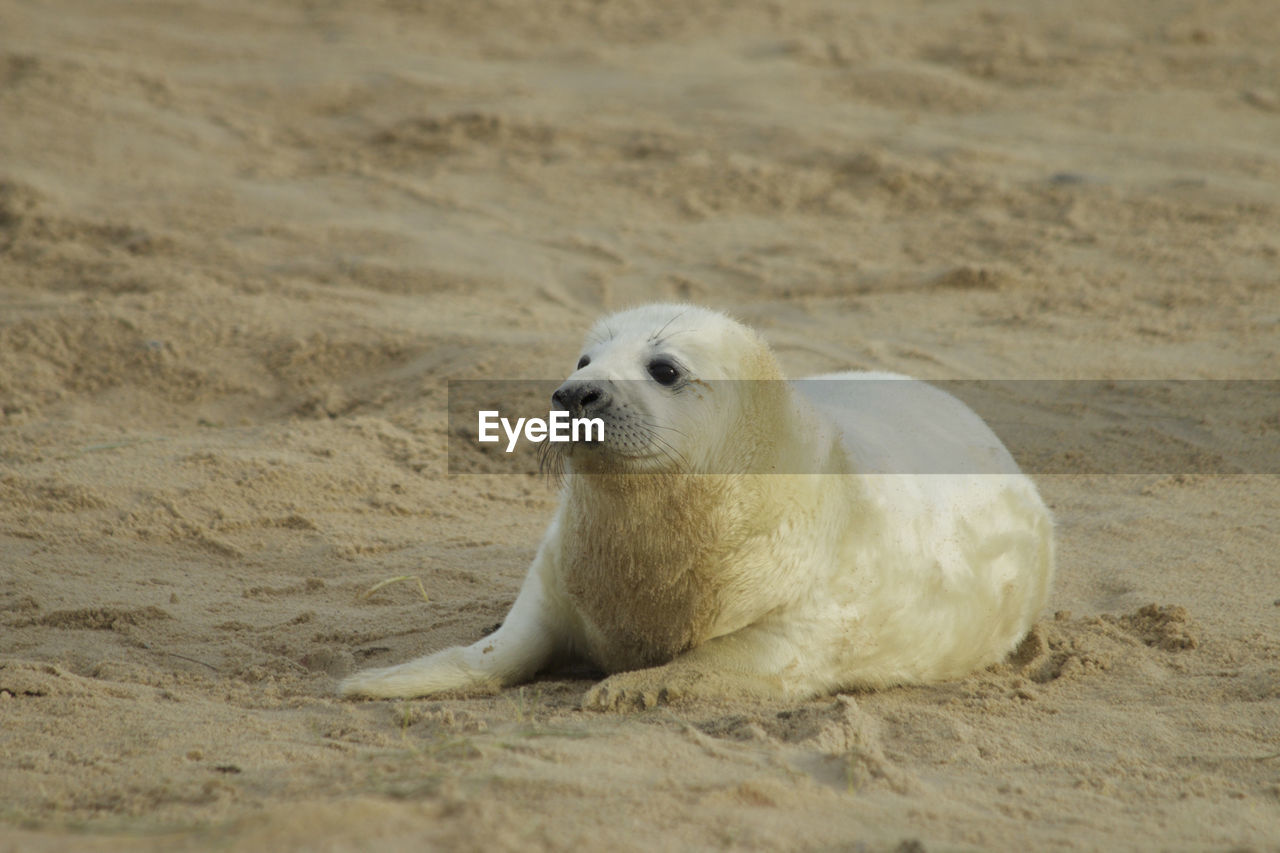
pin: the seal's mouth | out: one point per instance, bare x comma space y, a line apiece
631, 437
635, 450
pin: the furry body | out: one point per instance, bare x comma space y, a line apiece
761, 537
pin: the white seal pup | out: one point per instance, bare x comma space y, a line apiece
759, 537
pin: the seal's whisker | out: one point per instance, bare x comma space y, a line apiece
655, 426
664, 426
671, 453
658, 334
671, 335
551, 462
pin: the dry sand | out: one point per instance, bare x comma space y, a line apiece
243, 245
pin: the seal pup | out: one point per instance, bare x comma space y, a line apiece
759, 537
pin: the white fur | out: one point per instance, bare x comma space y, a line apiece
839, 571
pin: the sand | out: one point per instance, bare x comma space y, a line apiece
244, 246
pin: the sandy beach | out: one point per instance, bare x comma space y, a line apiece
244, 246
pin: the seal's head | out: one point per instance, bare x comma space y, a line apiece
666, 380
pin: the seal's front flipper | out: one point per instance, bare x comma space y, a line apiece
754, 662
524, 644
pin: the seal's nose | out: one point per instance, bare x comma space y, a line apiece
580, 398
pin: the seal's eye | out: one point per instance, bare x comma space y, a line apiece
583, 362
663, 372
